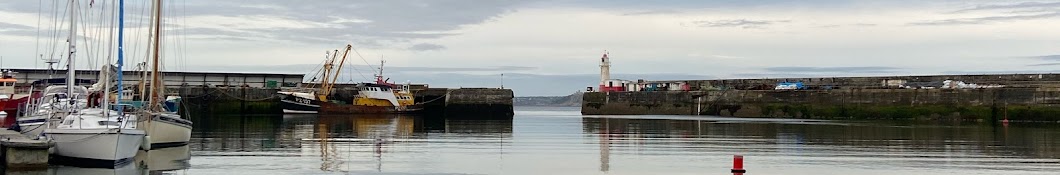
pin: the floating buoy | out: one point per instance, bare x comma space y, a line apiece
737, 165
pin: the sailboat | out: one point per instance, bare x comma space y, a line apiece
96, 136
48, 110
164, 128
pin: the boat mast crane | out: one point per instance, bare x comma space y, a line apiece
328, 83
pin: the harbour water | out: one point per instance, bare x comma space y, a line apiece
561, 141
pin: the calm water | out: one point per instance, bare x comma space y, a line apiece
561, 141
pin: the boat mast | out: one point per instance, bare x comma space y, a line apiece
322, 96
328, 84
155, 85
70, 70
379, 77
121, 61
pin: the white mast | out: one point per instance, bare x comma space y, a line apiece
70, 70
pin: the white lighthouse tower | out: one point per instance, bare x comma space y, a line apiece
605, 71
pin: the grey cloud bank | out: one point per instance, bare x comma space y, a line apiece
446, 42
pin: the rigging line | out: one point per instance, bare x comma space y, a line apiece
49, 43
110, 37
354, 67
365, 62
56, 34
318, 73
138, 36
87, 46
40, 9
184, 36
99, 33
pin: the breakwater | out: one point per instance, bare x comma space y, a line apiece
461, 103
480, 103
1024, 100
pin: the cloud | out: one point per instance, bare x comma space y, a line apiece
1003, 13
985, 20
866, 69
12, 26
653, 12
846, 25
1023, 5
741, 23
1045, 64
1047, 57
374, 23
426, 47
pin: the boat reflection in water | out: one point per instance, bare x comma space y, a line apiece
362, 143
173, 160
342, 140
162, 160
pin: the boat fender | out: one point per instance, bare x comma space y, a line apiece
146, 144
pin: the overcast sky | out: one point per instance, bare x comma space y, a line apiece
476, 40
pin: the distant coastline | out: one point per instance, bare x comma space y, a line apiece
573, 100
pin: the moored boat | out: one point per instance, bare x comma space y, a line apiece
380, 97
47, 110
164, 128
95, 137
375, 98
296, 102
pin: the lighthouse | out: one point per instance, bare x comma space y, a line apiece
605, 72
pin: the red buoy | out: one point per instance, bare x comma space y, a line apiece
737, 165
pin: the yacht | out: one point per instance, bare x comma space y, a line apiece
57, 101
96, 137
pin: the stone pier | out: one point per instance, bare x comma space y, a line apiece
21, 153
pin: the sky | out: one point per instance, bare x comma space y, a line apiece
552, 47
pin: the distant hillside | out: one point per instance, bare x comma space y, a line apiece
569, 100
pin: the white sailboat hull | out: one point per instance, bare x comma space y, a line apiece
33, 126
167, 130
100, 147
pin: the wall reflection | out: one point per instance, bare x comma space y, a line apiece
337, 139
725, 135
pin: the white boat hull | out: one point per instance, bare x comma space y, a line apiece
289, 111
33, 126
96, 147
167, 130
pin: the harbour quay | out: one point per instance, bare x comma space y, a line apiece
475, 103
990, 98
256, 93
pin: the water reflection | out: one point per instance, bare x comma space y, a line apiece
338, 143
174, 160
811, 142
551, 141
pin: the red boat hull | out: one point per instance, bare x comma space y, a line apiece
332, 108
11, 107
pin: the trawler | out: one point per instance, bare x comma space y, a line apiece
379, 97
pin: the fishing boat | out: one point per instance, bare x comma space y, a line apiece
299, 102
379, 97
9, 100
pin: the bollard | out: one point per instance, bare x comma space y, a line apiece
737, 165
